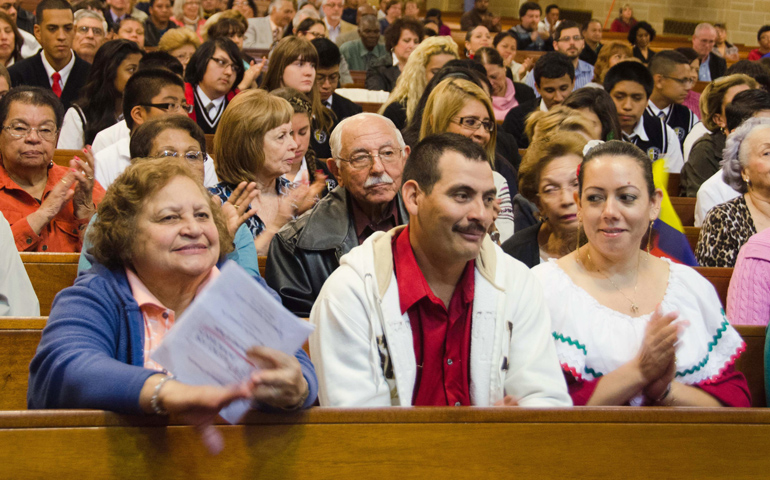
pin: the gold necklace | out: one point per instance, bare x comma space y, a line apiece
632, 301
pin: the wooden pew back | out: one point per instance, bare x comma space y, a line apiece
19, 338
50, 273
720, 278
62, 157
752, 362
685, 208
692, 234
458, 443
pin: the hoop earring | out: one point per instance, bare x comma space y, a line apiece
649, 237
577, 247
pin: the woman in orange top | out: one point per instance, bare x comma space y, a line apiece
47, 205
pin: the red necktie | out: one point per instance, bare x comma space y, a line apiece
56, 84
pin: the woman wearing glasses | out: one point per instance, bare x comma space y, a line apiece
178, 136
101, 101
460, 106
211, 77
46, 204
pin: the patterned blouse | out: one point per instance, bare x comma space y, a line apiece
223, 190
726, 228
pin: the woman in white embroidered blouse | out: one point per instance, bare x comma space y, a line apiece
631, 328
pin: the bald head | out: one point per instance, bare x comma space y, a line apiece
364, 10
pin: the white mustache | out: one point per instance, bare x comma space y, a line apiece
382, 179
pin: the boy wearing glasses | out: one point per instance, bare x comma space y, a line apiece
671, 81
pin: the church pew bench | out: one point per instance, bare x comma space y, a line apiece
630, 443
685, 209
62, 156
692, 234
673, 184
50, 273
19, 337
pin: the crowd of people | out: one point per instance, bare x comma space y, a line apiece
438, 266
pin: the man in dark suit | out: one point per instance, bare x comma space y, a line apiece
703, 40
55, 66
327, 78
554, 79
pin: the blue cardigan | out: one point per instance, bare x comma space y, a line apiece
91, 354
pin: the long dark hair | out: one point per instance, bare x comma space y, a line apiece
18, 40
97, 99
599, 102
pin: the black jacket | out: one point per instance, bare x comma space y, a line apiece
307, 250
342, 108
31, 72
514, 121
717, 66
382, 75
703, 163
523, 246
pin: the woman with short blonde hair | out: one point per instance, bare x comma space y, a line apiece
611, 54
180, 43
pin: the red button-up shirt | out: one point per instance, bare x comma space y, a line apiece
441, 337
62, 234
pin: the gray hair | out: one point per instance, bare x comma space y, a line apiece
701, 27
85, 13
277, 3
735, 156
303, 14
335, 141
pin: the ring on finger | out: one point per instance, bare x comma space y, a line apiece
90, 177
236, 206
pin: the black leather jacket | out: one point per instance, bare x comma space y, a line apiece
307, 250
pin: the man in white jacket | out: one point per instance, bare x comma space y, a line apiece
435, 313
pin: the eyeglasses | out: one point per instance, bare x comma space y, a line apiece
98, 32
333, 78
576, 38
474, 123
191, 157
315, 34
361, 160
681, 81
171, 107
223, 64
22, 130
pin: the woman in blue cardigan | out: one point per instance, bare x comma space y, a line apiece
156, 242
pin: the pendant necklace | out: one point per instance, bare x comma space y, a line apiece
632, 301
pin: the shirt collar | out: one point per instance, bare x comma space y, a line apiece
205, 100
144, 296
55, 174
655, 110
543, 108
362, 221
395, 59
639, 131
64, 72
412, 286
330, 101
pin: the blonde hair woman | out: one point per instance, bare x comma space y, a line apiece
541, 124
181, 43
610, 55
423, 63
460, 106
259, 149
189, 14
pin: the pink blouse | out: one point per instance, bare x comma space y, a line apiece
748, 299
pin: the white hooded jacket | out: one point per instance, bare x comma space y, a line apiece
362, 346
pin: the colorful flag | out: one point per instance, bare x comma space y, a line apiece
668, 239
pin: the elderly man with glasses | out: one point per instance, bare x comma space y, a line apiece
368, 156
90, 34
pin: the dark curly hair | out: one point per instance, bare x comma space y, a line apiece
640, 26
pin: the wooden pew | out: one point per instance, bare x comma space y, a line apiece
673, 184
720, 278
262, 259
18, 341
371, 107
692, 234
458, 443
49, 274
359, 79
685, 209
210, 143
752, 362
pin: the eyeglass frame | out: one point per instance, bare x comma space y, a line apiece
681, 81
202, 157
574, 38
167, 106
223, 66
29, 131
84, 30
481, 123
371, 155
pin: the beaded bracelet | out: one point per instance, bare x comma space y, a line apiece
155, 399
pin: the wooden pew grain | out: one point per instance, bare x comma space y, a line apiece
19, 338
692, 234
752, 362
685, 209
62, 157
720, 278
50, 273
458, 443
262, 259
